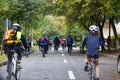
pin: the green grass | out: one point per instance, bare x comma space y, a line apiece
34, 48
3, 58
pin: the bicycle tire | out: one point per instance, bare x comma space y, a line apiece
11, 74
69, 50
92, 74
43, 52
118, 65
17, 74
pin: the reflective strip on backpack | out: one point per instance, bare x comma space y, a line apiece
19, 36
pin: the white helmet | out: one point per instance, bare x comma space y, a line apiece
93, 28
16, 24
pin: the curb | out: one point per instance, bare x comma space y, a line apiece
112, 56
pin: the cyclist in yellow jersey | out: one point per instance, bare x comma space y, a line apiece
17, 47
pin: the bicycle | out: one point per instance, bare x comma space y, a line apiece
56, 47
91, 68
42, 49
14, 72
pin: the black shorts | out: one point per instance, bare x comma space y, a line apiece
95, 56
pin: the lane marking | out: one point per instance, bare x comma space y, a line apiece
62, 54
71, 75
65, 61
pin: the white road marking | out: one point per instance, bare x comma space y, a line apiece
62, 54
71, 75
65, 61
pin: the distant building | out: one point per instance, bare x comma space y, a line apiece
106, 29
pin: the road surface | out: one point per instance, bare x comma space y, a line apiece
62, 66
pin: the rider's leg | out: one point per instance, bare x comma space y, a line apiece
19, 58
9, 56
86, 59
86, 63
97, 67
68, 47
45, 48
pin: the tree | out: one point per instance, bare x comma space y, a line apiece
89, 12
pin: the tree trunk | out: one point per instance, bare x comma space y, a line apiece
108, 39
101, 33
115, 33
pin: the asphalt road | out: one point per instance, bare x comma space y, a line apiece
62, 66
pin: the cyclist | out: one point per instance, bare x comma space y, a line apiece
63, 43
17, 47
43, 42
93, 42
28, 47
50, 43
69, 41
56, 42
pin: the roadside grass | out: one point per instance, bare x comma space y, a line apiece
3, 58
34, 48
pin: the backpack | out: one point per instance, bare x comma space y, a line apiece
10, 37
69, 40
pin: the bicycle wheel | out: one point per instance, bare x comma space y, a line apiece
43, 52
11, 72
17, 74
118, 65
93, 74
69, 50
90, 71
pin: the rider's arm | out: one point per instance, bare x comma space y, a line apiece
23, 39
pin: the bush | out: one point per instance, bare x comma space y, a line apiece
112, 44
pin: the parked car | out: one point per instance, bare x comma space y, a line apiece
118, 64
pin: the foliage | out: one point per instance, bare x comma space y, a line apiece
58, 17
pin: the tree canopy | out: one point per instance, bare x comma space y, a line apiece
68, 16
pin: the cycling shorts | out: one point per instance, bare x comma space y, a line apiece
94, 51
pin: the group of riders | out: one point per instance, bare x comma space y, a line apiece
14, 40
47, 43
19, 42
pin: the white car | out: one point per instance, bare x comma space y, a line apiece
118, 64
